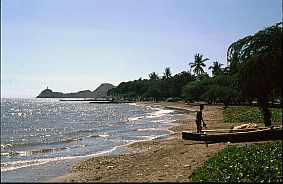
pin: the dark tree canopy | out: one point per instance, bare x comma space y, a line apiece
216, 68
258, 61
254, 72
153, 76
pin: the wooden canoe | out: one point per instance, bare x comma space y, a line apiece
236, 130
274, 133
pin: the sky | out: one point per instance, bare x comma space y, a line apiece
74, 45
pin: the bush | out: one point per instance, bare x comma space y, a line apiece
243, 114
253, 163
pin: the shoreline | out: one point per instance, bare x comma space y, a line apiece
164, 160
46, 170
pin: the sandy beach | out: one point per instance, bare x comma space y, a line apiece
171, 160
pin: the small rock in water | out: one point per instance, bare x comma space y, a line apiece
187, 165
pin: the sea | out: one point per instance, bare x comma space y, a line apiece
44, 138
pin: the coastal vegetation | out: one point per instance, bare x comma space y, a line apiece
257, 163
242, 114
253, 74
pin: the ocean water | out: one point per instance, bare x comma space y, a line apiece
39, 134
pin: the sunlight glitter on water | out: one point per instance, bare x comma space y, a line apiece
40, 131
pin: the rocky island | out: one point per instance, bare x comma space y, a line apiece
100, 92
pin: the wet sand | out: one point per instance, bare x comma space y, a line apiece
171, 160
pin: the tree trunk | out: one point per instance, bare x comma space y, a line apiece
263, 103
266, 116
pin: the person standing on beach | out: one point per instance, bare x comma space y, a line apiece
199, 119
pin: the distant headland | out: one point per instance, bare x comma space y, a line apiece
100, 92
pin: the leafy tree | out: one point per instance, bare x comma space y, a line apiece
193, 91
166, 88
167, 73
179, 80
202, 76
258, 61
217, 93
153, 90
216, 68
198, 64
153, 76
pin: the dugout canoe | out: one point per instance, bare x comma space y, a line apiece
273, 133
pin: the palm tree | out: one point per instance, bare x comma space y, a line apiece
198, 64
216, 68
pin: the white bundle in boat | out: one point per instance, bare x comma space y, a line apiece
244, 126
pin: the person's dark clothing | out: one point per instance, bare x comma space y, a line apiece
199, 119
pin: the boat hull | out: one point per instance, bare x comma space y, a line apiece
251, 136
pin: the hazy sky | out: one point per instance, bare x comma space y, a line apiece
72, 45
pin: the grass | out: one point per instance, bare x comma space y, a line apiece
250, 114
253, 163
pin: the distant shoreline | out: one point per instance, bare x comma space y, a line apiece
100, 92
